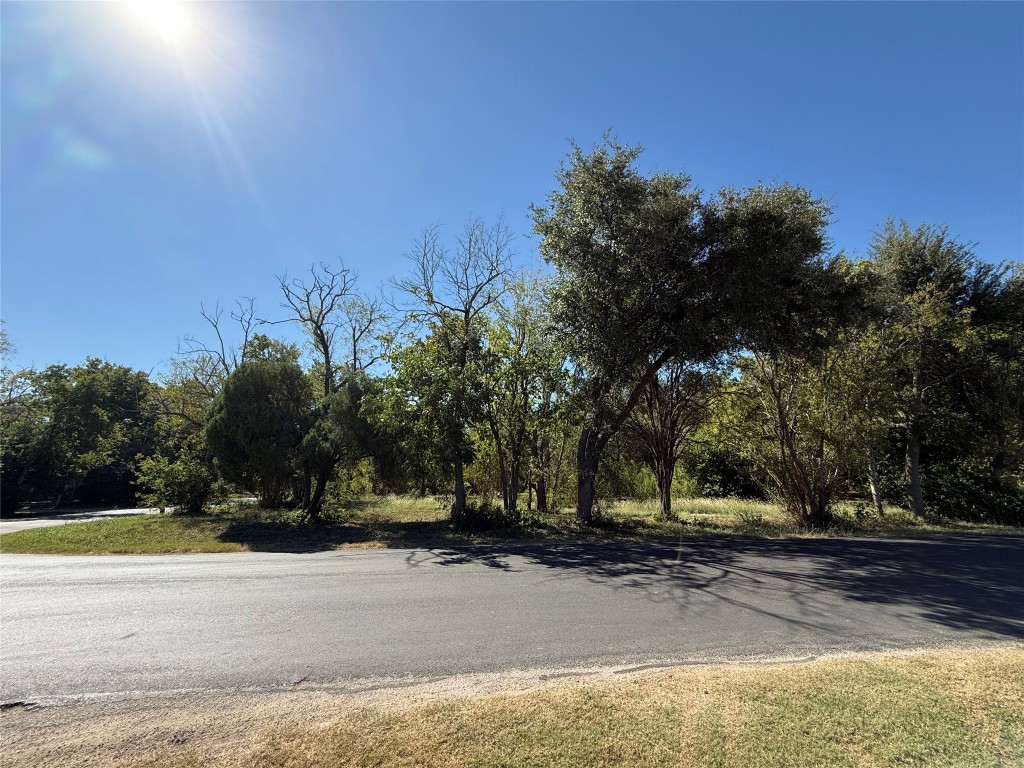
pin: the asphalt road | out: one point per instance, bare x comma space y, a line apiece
124, 626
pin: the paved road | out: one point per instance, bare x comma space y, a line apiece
123, 626
21, 523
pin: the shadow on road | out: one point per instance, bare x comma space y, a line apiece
964, 582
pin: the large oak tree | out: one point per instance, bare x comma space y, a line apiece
649, 271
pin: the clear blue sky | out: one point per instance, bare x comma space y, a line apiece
141, 177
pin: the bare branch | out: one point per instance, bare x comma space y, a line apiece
318, 306
464, 282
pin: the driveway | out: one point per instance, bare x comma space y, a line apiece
23, 522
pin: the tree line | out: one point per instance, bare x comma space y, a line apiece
679, 342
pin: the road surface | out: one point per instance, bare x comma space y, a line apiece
119, 627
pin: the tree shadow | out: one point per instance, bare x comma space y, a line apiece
964, 582
303, 538
271, 536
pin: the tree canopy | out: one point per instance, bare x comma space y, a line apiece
675, 341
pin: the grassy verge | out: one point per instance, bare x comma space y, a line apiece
409, 522
949, 709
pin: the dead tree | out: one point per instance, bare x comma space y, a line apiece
319, 307
457, 285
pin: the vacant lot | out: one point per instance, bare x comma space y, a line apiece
412, 522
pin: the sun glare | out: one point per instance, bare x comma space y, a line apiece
167, 20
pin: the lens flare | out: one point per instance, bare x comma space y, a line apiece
164, 19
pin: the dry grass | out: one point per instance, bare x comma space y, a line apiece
942, 711
762, 518
396, 521
937, 708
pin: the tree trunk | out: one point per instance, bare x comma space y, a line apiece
459, 507
317, 499
587, 456
999, 462
556, 479
542, 495
506, 488
512, 506
265, 496
820, 495
874, 485
914, 469
503, 470
913, 462
665, 471
305, 489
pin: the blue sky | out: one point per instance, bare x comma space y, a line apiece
141, 178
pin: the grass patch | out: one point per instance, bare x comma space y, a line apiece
138, 534
396, 521
939, 709
762, 518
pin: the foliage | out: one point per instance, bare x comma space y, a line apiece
181, 475
435, 394
895, 380
339, 434
449, 294
72, 433
525, 382
790, 424
718, 470
675, 403
648, 271
257, 425
953, 323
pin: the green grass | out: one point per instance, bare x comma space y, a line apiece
395, 521
140, 534
948, 709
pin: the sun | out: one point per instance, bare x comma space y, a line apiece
167, 20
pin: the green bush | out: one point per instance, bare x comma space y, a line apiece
186, 482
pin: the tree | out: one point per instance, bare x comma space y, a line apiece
436, 394
792, 423
972, 459
209, 364
411, 437
523, 376
648, 272
257, 425
73, 432
318, 306
672, 407
866, 373
20, 426
995, 390
339, 432
181, 471
327, 308
181, 474
930, 282
366, 330
449, 292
